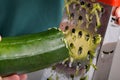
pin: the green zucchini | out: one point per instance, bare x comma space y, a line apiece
27, 53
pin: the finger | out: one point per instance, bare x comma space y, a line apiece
23, 77
117, 12
0, 78
0, 38
13, 77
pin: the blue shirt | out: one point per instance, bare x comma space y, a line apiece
18, 17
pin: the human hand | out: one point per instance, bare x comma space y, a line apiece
15, 77
116, 13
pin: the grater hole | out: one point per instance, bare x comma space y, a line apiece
87, 37
102, 10
72, 76
73, 30
80, 17
80, 34
72, 15
82, 3
66, 28
112, 51
89, 52
80, 50
94, 39
88, 5
71, 45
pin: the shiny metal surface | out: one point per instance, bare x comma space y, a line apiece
114, 71
109, 45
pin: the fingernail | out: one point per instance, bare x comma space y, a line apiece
0, 38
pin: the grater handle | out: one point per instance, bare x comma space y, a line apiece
111, 2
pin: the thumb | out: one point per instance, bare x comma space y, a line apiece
0, 78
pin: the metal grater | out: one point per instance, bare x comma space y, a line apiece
76, 15
77, 12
